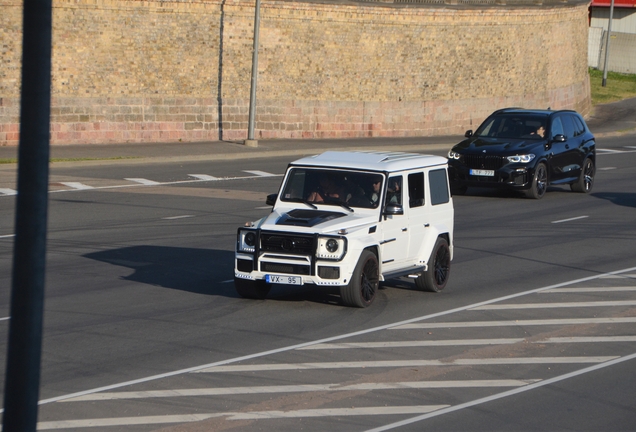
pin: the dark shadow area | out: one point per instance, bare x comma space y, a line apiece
200, 271
619, 198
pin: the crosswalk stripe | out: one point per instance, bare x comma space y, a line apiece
403, 363
405, 344
253, 415
77, 185
586, 339
143, 181
299, 389
560, 321
556, 305
589, 289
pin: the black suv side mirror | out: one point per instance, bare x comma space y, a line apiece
271, 199
468, 133
559, 138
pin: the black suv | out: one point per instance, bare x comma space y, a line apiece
525, 150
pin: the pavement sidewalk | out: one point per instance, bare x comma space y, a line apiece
618, 118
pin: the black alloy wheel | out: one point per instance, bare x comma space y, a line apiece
436, 276
586, 179
539, 184
361, 290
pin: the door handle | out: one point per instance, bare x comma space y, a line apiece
404, 229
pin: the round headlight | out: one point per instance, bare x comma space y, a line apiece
250, 239
332, 245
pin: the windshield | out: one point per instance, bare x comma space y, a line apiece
513, 126
333, 187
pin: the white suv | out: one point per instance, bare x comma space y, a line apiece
352, 219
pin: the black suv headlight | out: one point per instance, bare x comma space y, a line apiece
454, 155
521, 158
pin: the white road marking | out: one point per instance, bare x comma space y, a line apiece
227, 281
260, 173
618, 276
7, 236
606, 168
301, 388
404, 344
5, 318
404, 363
559, 322
178, 217
328, 339
610, 150
253, 415
503, 394
204, 177
589, 339
631, 147
557, 305
8, 192
143, 181
570, 219
77, 185
589, 289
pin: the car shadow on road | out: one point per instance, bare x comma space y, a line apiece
618, 198
201, 271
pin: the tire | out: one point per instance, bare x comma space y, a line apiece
586, 179
539, 182
252, 289
436, 276
363, 286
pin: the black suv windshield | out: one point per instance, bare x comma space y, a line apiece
333, 187
512, 125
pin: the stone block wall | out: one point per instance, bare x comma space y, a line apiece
171, 71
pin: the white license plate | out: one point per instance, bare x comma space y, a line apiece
287, 280
477, 172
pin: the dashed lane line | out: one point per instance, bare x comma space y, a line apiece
77, 185
557, 305
260, 173
8, 192
515, 323
204, 177
569, 220
301, 388
143, 181
404, 363
253, 415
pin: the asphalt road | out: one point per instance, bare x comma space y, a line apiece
139, 299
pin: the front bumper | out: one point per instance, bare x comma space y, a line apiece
513, 176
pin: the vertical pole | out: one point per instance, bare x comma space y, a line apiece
607, 43
22, 379
250, 127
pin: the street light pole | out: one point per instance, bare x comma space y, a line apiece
607, 42
250, 141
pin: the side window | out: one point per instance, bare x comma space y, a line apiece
438, 181
578, 125
557, 127
416, 189
568, 126
394, 190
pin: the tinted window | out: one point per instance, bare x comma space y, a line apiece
512, 125
438, 181
416, 189
579, 127
568, 126
557, 127
394, 190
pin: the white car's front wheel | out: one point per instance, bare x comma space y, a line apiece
436, 276
361, 290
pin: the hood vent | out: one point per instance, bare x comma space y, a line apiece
307, 218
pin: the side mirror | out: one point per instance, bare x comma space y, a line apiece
393, 209
468, 133
271, 199
559, 138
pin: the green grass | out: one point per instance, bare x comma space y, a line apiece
617, 87
11, 161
